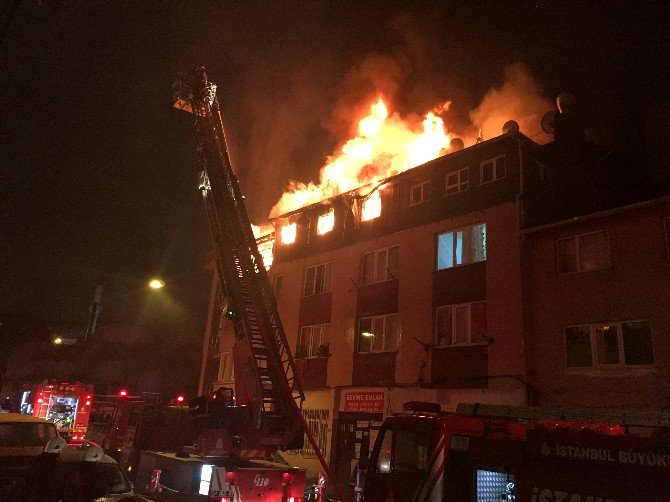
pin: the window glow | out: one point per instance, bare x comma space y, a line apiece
372, 206
326, 222
266, 249
289, 233
205, 479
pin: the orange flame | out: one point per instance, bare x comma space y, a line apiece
386, 145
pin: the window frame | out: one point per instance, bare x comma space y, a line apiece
424, 197
388, 271
453, 321
277, 284
454, 232
593, 344
327, 284
496, 168
461, 186
372, 318
576, 237
324, 331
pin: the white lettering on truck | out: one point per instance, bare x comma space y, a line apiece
547, 495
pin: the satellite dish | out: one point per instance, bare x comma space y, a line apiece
510, 126
456, 144
565, 102
548, 122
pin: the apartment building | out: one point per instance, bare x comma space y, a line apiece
596, 302
409, 290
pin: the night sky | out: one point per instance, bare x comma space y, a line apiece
98, 177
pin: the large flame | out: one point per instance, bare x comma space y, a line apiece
384, 146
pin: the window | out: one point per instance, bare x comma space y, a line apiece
419, 193
462, 324
317, 279
583, 253
313, 341
462, 246
384, 455
372, 206
318, 425
377, 334
493, 169
225, 373
276, 285
326, 222
626, 343
289, 233
410, 450
458, 181
380, 265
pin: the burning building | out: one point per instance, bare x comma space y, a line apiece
412, 286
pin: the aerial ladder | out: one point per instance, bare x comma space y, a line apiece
269, 396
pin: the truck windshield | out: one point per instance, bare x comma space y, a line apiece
16, 434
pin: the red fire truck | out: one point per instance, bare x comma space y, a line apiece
499, 453
67, 404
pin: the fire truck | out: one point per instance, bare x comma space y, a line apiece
264, 412
68, 405
488, 453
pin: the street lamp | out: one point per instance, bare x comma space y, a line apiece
58, 340
156, 284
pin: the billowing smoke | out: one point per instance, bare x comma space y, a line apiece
518, 98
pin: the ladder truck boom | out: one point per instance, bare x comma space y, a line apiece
269, 376
267, 412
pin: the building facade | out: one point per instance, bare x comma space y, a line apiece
410, 290
597, 317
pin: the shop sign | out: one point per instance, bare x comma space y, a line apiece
364, 401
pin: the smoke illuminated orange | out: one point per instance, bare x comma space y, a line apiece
386, 144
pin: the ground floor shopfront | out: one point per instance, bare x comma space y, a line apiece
341, 417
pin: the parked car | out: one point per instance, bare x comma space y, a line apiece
23, 438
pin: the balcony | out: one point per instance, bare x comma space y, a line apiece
313, 372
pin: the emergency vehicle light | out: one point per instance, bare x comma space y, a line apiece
123, 393
421, 407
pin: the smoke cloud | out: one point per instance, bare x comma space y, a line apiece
518, 98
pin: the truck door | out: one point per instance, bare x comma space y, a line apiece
400, 469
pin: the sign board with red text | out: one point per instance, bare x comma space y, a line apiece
364, 401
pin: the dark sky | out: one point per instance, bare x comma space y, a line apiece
98, 173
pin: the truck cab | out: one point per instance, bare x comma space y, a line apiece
433, 456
